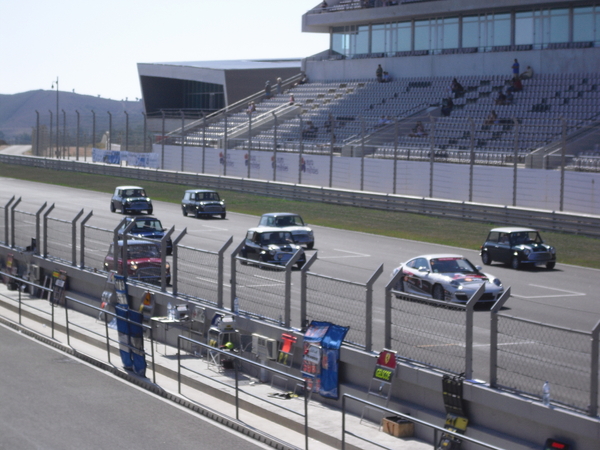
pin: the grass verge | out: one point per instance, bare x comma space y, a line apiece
572, 249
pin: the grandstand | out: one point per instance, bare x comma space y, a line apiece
424, 45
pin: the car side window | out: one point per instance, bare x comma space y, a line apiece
493, 236
504, 239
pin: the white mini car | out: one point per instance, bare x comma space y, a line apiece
446, 277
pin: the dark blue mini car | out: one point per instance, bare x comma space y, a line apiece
147, 227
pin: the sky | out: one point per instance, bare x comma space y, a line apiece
93, 47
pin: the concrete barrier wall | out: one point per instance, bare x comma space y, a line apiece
495, 417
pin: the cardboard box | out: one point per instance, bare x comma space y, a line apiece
398, 427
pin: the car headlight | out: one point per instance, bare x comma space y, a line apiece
310, 233
553, 250
497, 282
133, 266
455, 283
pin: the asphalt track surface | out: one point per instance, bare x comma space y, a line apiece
566, 296
50, 400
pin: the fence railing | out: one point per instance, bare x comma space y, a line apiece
413, 326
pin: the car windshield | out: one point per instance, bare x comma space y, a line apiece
139, 251
283, 221
525, 237
452, 265
207, 196
275, 238
147, 225
134, 193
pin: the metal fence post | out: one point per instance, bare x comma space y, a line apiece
395, 154
145, 132
274, 147
225, 144
494, 336
45, 252
300, 151
82, 240
37, 133
249, 142
220, 271
563, 154
109, 140
93, 130
287, 315
176, 261
594, 372
182, 139
471, 159
6, 219
74, 239
387, 313
362, 153
116, 245
303, 290
162, 142
203, 140
233, 280
12, 222
369, 309
470, 306
431, 156
163, 257
516, 157
77, 138
37, 229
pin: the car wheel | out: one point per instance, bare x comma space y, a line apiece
184, 211
438, 292
550, 265
123, 210
485, 258
112, 207
310, 245
197, 214
515, 263
150, 211
223, 215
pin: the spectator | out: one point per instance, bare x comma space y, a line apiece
509, 98
457, 89
324, 5
278, 85
310, 131
381, 122
515, 68
527, 75
303, 79
447, 105
386, 77
251, 108
501, 99
491, 118
379, 73
292, 100
268, 89
418, 130
516, 85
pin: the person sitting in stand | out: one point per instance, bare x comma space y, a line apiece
501, 99
310, 130
292, 100
509, 98
251, 108
418, 130
527, 75
457, 88
381, 122
447, 105
516, 85
491, 118
386, 78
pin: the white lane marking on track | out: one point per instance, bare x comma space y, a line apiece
568, 293
206, 229
352, 255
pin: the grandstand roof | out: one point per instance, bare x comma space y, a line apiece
237, 64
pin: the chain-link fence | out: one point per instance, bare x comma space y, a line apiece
198, 273
59, 239
26, 229
3, 225
261, 290
339, 301
96, 244
531, 353
429, 332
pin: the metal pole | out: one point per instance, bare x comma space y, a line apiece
77, 138
221, 268
515, 157
301, 150
126, 131
12, 221
274, 147
362, 153
64, 137
175, 265
431, 156
57, 132
369, 309
182, 139
93, 129
203, 140
109, 140
395, 154
331, 162
162, 141
45, 248
472, 159
563, 154
303, 290
74, 239
494, 336
50, 140
82, 239
145, 132
594, 372
37, 133
37, 229
249, 142
225, 145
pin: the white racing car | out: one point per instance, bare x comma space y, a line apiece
446, 277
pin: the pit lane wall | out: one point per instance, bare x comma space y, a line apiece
498, 418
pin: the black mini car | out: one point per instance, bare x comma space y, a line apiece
202, 202
270, 245
148, 228
517, 246
130, 199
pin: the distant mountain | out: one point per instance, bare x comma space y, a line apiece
18, 114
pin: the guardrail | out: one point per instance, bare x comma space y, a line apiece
582, 224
